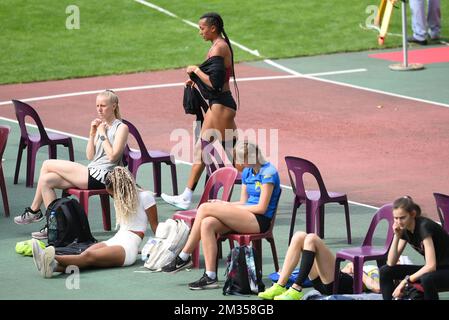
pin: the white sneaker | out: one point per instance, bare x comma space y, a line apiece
47, 262
177, 201
37, 254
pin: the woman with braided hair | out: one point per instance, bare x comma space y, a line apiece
134, 208
212, 79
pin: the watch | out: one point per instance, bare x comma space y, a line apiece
407, 279
102, 137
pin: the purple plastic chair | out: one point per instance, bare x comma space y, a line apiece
83, 196
136, 158
221, 178
442, 202
315, 200
4, 133
367, 252
33, 141
213, 160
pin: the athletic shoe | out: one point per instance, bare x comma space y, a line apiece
48, 262
273, 291
177, 201
204, 283
40, 235
177, 265
37, 254
421, 42
29, 216
290, 294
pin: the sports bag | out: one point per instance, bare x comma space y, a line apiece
243, 276
67, 223
170, 238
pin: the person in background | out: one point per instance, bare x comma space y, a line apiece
423, 25
425, 236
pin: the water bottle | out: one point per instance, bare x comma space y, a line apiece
52, 228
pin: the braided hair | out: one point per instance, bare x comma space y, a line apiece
214, 19
123, 186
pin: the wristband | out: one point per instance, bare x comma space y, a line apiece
196, 70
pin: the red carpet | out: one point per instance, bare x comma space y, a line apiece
425, 56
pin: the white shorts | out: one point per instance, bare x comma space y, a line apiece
129, 241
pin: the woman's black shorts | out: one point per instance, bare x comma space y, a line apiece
224, 98
264, 223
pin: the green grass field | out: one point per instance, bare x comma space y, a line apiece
125, 36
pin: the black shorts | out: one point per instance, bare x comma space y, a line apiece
224, 98
264, 223
94, 184
345, 285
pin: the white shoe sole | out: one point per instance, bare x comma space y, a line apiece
208, 286
28, 222
173, 203
187, 266
47, 259
37, 251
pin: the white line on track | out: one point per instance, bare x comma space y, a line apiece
170, 85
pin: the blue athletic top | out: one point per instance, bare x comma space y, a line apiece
254, 182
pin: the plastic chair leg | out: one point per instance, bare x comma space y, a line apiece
293, 220
348, 223
106, 210
4, 192
157, 178
31, 164
174, 179
71, 152
19, 160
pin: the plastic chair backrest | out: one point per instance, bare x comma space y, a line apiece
211, 157
299, 167
135, 133
4, 133
442, 202
221, 178
384, 213
23, 110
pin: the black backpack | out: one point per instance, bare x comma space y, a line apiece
71, 223
241, 275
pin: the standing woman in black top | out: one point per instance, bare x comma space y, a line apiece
222, 107
425, 236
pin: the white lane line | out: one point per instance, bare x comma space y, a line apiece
293, 75
351, 202
48, 129
166, 85
190, 23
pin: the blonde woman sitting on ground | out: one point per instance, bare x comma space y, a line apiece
134, 209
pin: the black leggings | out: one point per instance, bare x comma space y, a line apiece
431, 282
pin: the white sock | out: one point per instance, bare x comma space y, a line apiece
211, 274
184, 256
187, 194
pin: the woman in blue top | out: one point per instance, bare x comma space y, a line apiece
252, 214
